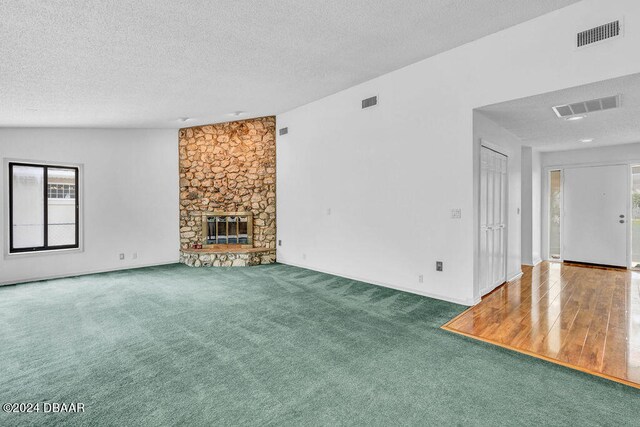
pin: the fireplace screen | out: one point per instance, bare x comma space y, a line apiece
227, 228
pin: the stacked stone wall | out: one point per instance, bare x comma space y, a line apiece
228, 167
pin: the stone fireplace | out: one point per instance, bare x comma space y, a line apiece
227, 193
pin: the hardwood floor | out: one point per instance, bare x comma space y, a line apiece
582, 317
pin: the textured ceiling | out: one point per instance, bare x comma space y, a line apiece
534, 122
146, 63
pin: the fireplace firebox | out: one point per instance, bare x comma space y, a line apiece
224, 229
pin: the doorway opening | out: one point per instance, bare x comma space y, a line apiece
574, 228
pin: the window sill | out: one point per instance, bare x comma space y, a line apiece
16, 255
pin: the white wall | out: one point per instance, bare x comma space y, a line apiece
413, 155
129, 193
491, 134
536, 207
527, 206
531, 206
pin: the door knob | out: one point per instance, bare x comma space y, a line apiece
621, 216
622, 221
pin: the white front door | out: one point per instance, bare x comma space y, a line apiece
493, 202
595, 214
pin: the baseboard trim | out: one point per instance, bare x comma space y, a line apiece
83, 273
467, 303
515, 276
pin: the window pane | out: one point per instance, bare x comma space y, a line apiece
28, 206
211, 230
233, 230
222, 229
243, 230
61, 207
555, 198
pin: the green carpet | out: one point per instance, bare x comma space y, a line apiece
271, 345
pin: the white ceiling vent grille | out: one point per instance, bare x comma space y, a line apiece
284, 131
584, 107
598, 34
369, 102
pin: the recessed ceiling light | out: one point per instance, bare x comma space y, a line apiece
574, 118
586, 140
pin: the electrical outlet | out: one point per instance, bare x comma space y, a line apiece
438, 265
121, 256
134, 255
304, 256
279, 242
456, 213
329, 211
420, 278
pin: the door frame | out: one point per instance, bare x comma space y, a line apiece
546, 190
505, 240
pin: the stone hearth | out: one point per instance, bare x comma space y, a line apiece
227, 258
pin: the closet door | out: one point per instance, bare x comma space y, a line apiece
493, 202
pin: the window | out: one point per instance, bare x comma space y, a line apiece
555, 216
43, 207
635, 217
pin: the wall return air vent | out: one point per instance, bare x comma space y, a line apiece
369, 102
598, 34
584, 107
284, 131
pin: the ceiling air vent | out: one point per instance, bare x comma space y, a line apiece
598, 34
584, 107
284, 131
369, 102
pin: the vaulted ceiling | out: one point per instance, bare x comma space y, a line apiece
147, 63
